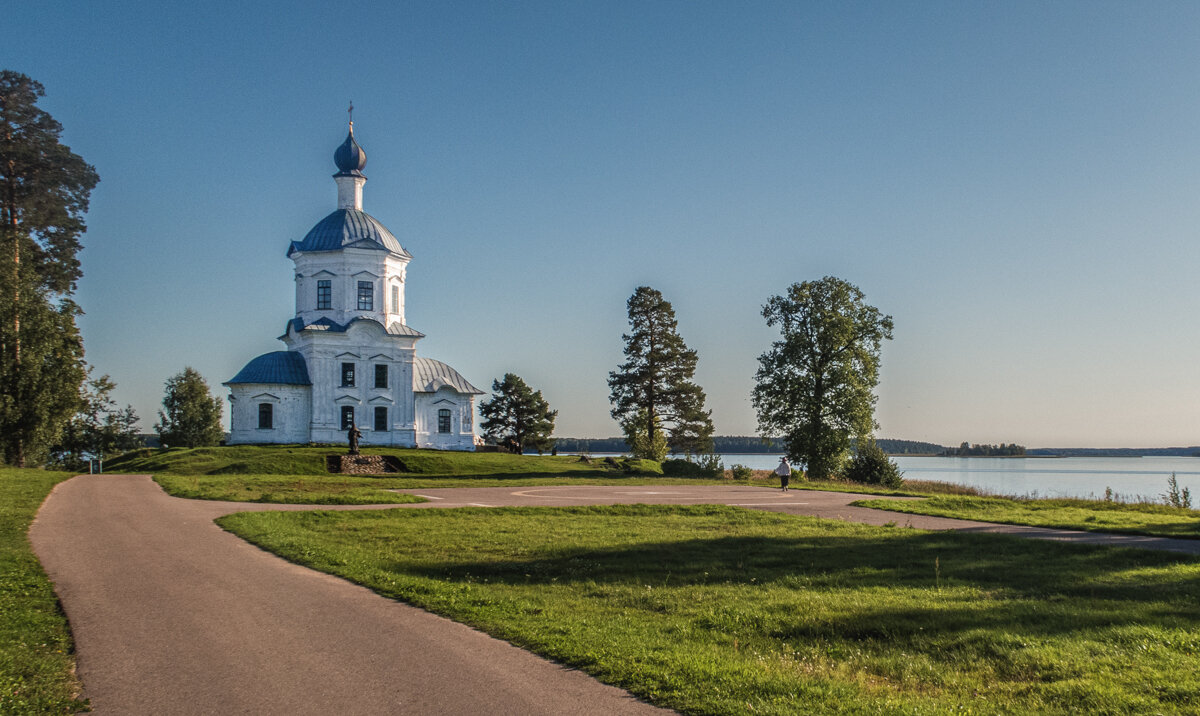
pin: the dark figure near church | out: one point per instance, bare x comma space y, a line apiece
353, 434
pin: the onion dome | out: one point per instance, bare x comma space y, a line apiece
350, 158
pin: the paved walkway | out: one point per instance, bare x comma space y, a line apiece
173, 615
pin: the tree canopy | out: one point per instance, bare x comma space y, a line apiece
98, 429
191, 415
44, 193
815, 385
517, 416
653, 388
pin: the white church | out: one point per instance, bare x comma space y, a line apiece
351, 358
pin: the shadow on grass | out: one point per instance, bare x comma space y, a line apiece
1009, 572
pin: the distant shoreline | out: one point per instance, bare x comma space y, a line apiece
751, 445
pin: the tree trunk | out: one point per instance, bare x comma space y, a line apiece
11, 210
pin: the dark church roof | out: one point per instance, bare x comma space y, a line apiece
346, 228
278, 368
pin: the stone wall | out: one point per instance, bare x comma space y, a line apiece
363, 465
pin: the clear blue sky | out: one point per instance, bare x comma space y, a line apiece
1015, 183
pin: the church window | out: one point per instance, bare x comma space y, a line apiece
444, 420
347, 375
347, 417
381, 423
381, 376
366, 296
266, 416
395, 299
324, 294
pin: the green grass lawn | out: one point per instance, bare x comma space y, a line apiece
719, 610
1090, 515
37, 663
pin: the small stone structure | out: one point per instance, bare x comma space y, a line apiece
363, 465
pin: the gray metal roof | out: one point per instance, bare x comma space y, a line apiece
346, 228
430, 374
326, 324
278, 368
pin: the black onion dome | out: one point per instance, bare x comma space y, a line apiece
350, 158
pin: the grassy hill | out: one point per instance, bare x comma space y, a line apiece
310, 460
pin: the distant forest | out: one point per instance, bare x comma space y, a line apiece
737, 444
1193, 451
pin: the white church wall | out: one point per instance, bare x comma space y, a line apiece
344, 269
366, 345
461, 435
291, 406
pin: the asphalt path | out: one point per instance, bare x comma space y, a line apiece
171, 614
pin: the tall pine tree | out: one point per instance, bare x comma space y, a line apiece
653, 388
517, 416
44, 191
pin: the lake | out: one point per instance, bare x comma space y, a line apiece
1129, 477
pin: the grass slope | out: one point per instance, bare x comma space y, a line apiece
37, 664
309, 460
1090, 515
296, 474
719, 610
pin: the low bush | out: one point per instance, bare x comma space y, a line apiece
705, 466
740, 472
871, 466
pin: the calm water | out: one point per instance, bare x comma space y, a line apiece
1129, 477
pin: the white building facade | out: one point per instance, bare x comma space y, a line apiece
351, 358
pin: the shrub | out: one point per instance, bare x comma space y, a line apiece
1176, 497
706, 466
741, 472
871, 466
711, 465
678, 467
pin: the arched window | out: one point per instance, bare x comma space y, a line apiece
444, 420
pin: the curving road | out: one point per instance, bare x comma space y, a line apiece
171, 614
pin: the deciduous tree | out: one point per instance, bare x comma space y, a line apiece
656, 379
815, 385
518, 416
98, 429
44, 191
191, 415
